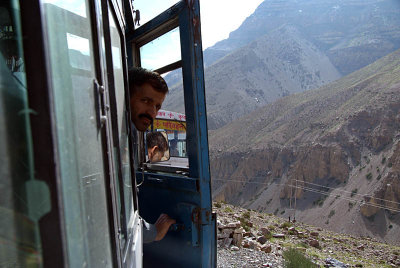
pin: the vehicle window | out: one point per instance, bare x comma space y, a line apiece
161, 51
70, 50
121, 117
24, 199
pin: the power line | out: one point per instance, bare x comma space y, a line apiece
320, 185
323, 193
366, 195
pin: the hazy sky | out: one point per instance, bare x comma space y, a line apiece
218, 17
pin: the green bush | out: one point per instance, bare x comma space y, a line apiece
218, 205
383, 160
286, 224
369, 176
246, 215
228, 209
295, 259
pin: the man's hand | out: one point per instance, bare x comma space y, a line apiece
162, 225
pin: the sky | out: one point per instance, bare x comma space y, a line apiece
218, 17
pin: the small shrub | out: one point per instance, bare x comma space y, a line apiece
303, 245
286, 225
383, 160
245, 226
282, 212
379, 177
246, 215
268, 236
271, 228
390, 226
228, 209
276, 211
295, 259
218, 205
331, 213
369, 176
354, 192
390, 164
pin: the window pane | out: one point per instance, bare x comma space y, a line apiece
161, 51
172, 119
150, 9
121, 117
23, 199
79, 141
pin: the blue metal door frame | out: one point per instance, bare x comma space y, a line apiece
186, 15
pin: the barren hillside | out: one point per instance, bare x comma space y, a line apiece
336, 149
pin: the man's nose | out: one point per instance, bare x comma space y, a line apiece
153, 112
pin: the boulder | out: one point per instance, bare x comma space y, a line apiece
315, 234
237, 239
261, 240
233, 225
314, 243
265, 231
266, 248
280, 236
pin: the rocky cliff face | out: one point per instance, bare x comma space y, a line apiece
352, 33
332, 149
274, 66
290, 46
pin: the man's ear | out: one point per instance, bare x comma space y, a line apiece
152, 149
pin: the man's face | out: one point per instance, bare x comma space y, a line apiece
145, 103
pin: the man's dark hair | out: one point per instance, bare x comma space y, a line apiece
139, 76
156, 139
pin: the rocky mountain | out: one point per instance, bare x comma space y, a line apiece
352, 33
333, 153
269, 68
290, 46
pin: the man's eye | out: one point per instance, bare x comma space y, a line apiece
145, 100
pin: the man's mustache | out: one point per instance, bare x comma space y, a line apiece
146, 116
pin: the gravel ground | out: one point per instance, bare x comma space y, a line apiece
246, 258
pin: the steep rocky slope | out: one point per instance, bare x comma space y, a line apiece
333, 151
274, 66
290, 46
353, 33
251, 239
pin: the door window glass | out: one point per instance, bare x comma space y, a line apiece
161, 51
121, 117
24, 199
80, 144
